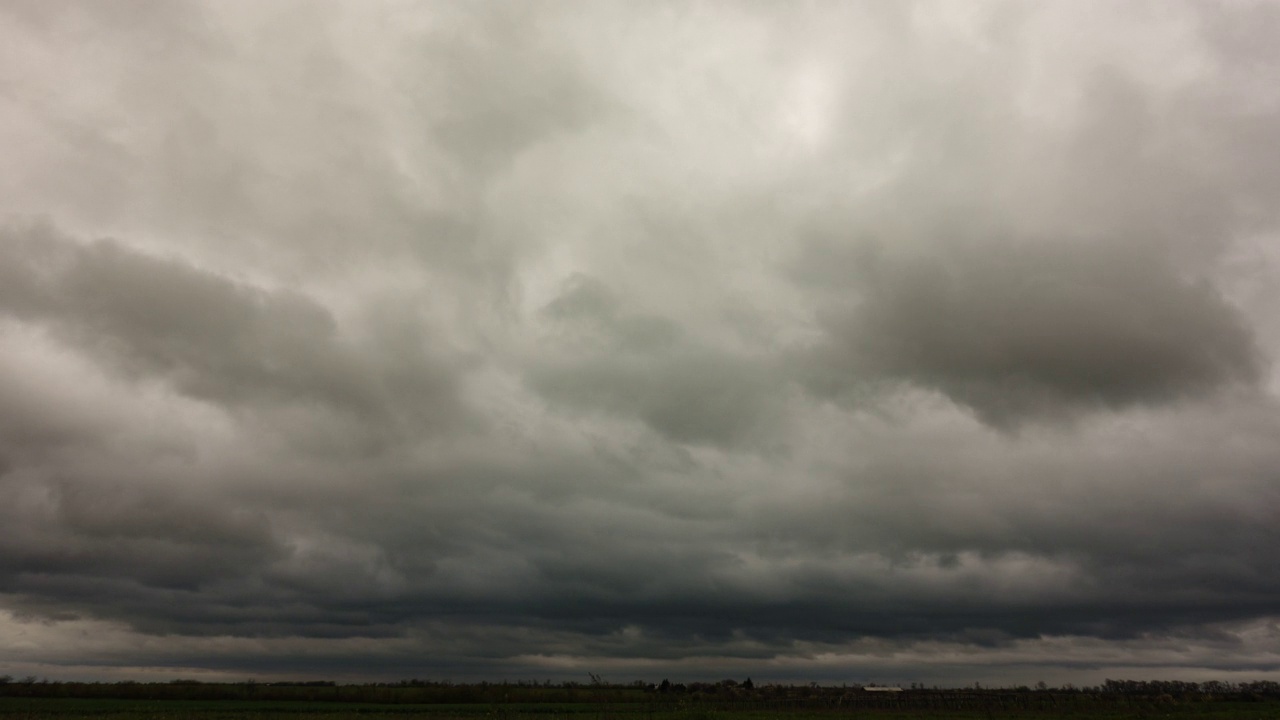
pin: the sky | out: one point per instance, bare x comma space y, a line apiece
844, 342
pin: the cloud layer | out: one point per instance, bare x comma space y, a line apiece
888, 340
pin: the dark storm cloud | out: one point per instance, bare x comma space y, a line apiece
644, 365
1017, 330
212, 338
704, 341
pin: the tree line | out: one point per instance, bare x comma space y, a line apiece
599, 691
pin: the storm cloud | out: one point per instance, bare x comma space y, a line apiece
872, 342
1015, 332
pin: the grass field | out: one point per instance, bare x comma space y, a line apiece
16, 708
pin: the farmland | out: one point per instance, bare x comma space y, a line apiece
720, 701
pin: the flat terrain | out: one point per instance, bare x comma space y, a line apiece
46, 708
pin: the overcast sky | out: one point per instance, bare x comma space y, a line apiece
863, 341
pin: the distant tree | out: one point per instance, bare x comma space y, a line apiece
747, 684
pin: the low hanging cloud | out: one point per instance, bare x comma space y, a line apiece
1017, 331
209, 337
647, 366
887, 341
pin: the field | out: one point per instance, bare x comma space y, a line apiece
725, 700
53, 708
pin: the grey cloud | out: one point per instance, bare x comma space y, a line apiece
1021, 330
507, 88
694, 340
214, 338
645, 366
